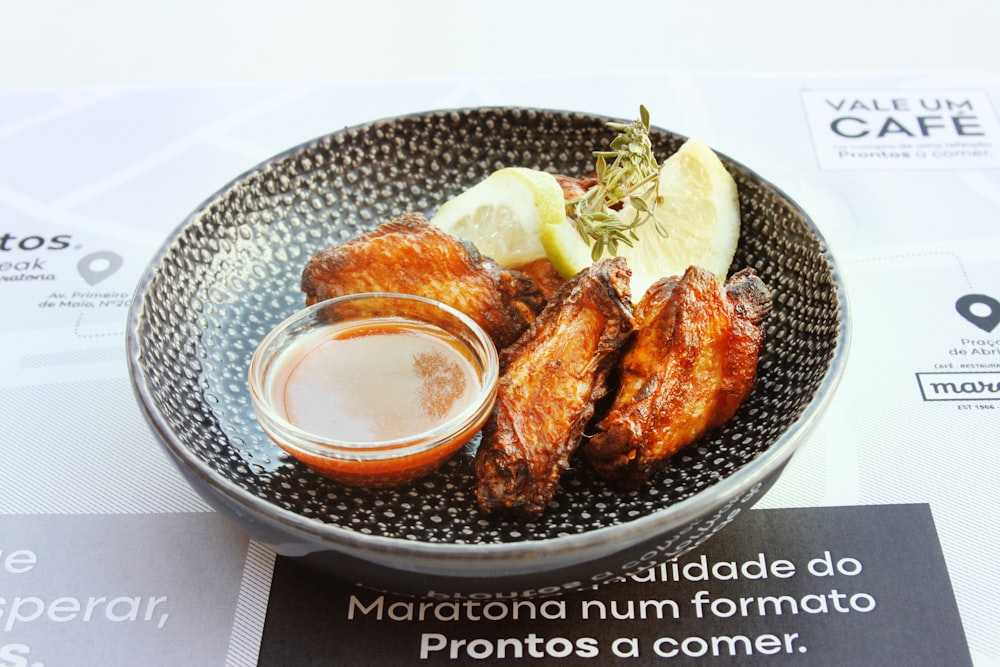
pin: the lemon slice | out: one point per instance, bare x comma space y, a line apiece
565, 248
502, 215
697, 206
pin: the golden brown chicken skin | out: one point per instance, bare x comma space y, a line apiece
544, 273
550, 380
574, 187
691, 364
411, 256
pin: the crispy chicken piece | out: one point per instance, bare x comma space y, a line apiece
574, 187
691, 364
550, 379
409, 255
544, 273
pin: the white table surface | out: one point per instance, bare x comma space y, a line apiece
64, 42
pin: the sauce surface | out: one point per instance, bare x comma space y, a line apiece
374, 382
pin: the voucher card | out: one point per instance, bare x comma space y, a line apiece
903, 129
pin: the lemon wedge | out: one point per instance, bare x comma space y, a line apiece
696, 204
565, 248
503, 214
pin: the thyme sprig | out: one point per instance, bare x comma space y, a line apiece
633, 167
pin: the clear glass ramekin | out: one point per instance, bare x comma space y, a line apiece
407, 434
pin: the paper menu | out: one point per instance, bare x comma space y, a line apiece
92, 181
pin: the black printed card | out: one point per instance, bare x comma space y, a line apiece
823, 586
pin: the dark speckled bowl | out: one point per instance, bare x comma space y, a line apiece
231, 272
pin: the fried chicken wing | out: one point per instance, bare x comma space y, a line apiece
691, 363
574, 187
550, 380
544, 273
409, 255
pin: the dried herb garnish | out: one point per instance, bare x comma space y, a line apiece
630, 178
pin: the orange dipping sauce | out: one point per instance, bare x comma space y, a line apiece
372, 383
374, 389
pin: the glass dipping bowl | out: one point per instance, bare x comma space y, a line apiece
374, 389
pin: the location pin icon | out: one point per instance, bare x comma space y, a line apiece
97, 266
967, 303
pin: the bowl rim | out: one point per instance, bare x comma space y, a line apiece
470, 559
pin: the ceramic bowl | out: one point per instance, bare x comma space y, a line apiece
231, 272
